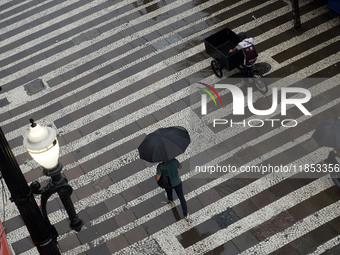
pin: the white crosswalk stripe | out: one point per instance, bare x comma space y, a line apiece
12, 7
300, 228
69, 27
32, 17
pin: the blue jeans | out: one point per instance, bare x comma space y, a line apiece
179, 192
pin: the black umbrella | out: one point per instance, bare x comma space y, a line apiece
328, 133
164, 144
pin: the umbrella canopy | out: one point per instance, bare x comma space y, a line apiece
164, 144
328, 133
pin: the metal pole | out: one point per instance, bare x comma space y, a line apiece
58, 183
41, 234
296, 14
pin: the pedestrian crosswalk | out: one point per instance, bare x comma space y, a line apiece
117, 70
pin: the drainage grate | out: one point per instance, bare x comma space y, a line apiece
226, 218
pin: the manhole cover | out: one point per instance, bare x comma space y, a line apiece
226, 218
3, 102
34, 87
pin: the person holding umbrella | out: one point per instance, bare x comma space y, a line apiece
334, 159
163, 145
327, 134
171, 167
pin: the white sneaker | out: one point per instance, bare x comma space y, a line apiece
187, 217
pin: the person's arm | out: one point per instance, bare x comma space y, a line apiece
179, 166
157, 177
158, 173
232, 50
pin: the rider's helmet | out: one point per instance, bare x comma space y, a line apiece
242, 36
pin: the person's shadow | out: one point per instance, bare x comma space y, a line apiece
194, 234
176, 214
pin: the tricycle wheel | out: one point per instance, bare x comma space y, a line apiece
259, 82
217, 68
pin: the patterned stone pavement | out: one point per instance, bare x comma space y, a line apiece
104, 73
